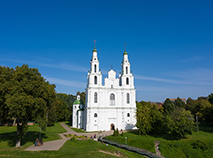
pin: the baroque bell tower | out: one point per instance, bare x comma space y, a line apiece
126, 77
94, 77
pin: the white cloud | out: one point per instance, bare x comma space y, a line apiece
152, 88
66, 82
198, 75
193, 58
185, 80
64, 67
55, 65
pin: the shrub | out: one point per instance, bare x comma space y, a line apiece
200, 145
122, 134
117, 133
114, 133
73, 138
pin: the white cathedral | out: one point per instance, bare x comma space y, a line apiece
108, 106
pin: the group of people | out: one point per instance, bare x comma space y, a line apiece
93, 137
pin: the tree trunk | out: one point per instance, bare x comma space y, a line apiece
18, 141
14, 122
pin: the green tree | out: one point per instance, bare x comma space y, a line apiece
179, 103
29, 96
61, 110
6, 74
192, 105
69, 99
210, 98
205, 113
168, 106
51, 116
179, 123
143, 117
157, 120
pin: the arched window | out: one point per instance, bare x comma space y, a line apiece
127, 98
112, 99
95, 115
127, 81
128, 115
95, 97
126, 70
95, 68
95, 79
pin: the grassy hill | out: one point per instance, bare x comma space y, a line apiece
197, 145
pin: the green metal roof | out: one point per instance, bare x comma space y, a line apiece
94, 50
78, 102
81, 109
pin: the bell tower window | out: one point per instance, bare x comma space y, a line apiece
112, 99
127, 81
126, 70
127, 98
128, 114
95, 68
95, 79
95, 97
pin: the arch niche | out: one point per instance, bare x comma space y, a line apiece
112, 126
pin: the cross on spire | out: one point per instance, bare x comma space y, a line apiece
125, 53
111, 67
94, 50
94, 43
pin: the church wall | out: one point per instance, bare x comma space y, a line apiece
109, 112
106, 117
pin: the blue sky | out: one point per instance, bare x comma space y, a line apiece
169, 43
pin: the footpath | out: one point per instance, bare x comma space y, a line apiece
57, 144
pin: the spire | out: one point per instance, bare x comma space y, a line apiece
125, 53
94, 50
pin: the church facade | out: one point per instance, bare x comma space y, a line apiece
111, 105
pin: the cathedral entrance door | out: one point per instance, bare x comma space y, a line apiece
112, 126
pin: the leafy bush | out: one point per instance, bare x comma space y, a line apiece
200, 145
73, 138
115, 133
122, 134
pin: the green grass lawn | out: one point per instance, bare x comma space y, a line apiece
78, 149
8, 135
172, 148
133, 139
88, 148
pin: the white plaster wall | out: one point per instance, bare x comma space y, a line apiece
109, 114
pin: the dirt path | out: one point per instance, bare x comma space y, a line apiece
157, 148
117, 154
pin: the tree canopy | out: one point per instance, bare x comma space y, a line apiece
25, 95
170, 119
143, 117
210, 98
168, 106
